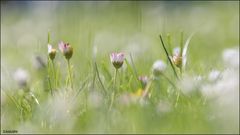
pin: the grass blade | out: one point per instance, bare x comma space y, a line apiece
133, 72
184, 53
95, 64
175, 73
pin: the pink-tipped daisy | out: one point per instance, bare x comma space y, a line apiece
66, 49
117, 59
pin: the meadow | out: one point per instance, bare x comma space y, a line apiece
120, 67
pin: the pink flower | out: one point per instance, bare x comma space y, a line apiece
117, 59
66, 49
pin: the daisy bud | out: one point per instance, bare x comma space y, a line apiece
51, 52
143, 80
66, 49
177, 60
117, 59
158, 67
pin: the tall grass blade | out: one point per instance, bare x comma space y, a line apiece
184, 53
168, 56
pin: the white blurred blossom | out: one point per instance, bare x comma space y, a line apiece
189, 84
21, 76
158, 67
223, 94
214, 75
231, 57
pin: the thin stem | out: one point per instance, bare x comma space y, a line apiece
48, 77
169, 43
178, 94
13, 100
97, 72
115, 78
181, 43
169, 80
147, 88
54, 73
94, 76
49, 81
48, 37
181, 71
114, 86
168, 57
81, 88
70, 73
133, 65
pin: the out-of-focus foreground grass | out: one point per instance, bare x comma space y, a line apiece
129, 27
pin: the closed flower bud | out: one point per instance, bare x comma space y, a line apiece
66, 49
51, 52
117, 59
158, 67
177, 60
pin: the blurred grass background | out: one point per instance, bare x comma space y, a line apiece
131, 27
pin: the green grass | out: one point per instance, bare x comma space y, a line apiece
129, 27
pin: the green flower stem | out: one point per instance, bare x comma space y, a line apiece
50, 85
169, 80
178, 91
70, 73
48, 77
54, 73
147, 87
114, 86
115, 78
178, 94
181, 71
